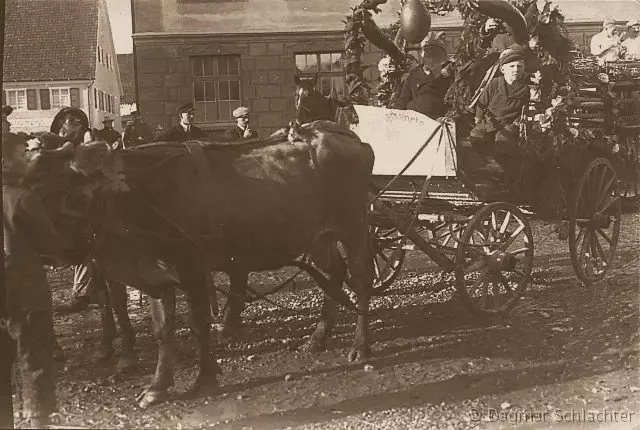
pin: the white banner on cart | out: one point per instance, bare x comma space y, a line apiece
397, 135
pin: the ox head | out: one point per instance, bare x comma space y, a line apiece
76, 191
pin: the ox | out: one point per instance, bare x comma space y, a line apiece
233, 208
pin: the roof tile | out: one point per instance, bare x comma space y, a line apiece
50, 40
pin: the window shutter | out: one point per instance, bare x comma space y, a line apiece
4, 98
74, 95
32, 100
95, 98
45, 100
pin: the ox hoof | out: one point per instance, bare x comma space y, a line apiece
103, 354
151, 397
126, 363
205, 387
358, 354
315, 345
227, 334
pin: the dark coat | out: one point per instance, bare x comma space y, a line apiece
137, 133
178, 134
502, 102
236, 133
108, 135
28, 233
424, 94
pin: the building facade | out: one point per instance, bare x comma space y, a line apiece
220, 54
46, 69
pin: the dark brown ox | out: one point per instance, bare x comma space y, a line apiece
197, 207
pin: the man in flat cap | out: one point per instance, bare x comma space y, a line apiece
137, 132
498, 107
185, 130
425, 87
632, 43
606, 44
241, 130
108, 134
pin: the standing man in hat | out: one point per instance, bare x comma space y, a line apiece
606, 44
498, 107
109, 135
241, 130
6, 125
632, 43
137, 132
185, 129
425, 87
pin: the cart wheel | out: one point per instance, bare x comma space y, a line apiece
594, 221
494, 259
388, 256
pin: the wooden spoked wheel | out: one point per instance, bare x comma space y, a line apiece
446, 236
388, 256
494, 259
595, 214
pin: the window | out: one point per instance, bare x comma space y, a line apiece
95, 98
326, 67
60, 97
101, 100
17, 99
99, 54
216, 86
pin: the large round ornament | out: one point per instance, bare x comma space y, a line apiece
415, 21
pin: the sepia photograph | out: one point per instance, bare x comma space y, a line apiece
320, 214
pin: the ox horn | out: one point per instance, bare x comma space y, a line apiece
506, 12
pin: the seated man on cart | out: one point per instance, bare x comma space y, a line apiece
498, 108
425, 88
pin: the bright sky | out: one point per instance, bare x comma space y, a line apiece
120, 17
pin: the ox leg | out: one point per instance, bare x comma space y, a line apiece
118, 295
361, 269
163, 313
232, 321
105, 351
328, 258
199, 323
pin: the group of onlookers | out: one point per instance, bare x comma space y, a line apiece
611, 44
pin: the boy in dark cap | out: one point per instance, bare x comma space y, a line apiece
184, 130
499, 105
28, 234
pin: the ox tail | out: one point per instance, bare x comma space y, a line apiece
332, 289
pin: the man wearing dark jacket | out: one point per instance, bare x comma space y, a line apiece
425, 87
241, 130
137, 132
109, 135
184, 130
28, 234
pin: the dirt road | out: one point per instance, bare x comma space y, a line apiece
566, 356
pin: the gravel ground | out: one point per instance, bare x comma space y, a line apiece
564, 349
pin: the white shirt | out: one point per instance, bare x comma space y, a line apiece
601, 41
633, 48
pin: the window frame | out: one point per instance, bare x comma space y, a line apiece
52, 104
319, 74
214, 80
16, 106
